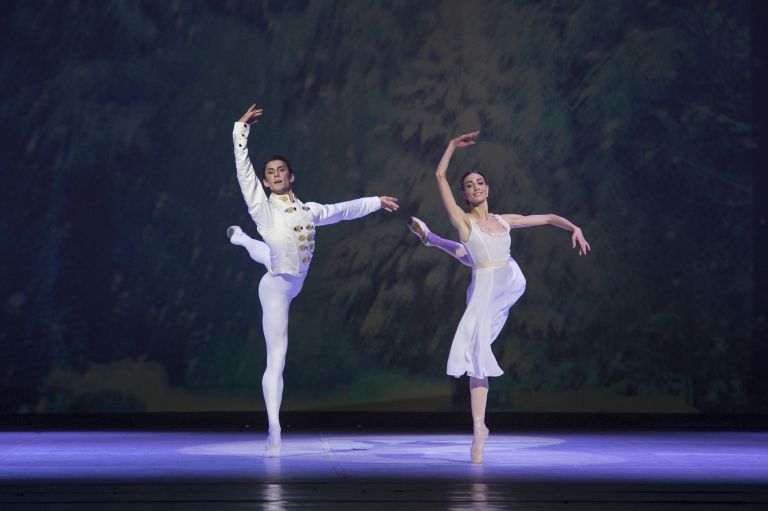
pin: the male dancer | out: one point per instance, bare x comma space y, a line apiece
288, 228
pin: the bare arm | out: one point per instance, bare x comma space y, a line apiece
520, 221
456, 215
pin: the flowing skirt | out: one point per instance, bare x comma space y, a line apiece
490, 295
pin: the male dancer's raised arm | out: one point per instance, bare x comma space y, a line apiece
253, 192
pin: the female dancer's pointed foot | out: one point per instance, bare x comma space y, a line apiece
478, 443
420, 229
274, 442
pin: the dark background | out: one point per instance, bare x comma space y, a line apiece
119, 291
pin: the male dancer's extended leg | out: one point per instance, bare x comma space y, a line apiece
275, 294
258, 250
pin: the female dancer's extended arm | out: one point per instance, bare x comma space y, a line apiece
456, 215
430, 239
520, 221
450, 247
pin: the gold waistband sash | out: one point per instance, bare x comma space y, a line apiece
494, 263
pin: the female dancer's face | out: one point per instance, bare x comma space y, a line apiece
474, 189
278, 177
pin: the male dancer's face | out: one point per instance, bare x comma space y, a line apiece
277, 177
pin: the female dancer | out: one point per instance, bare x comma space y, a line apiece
288, 228
497, 282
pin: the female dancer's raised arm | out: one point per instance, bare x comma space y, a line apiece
457, 216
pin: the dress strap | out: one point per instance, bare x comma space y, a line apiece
503, 222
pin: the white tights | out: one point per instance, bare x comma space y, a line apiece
275, 294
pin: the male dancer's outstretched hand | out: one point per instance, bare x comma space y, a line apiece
250, 115
389, 203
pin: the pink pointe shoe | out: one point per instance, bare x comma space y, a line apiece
478, 443
420, 229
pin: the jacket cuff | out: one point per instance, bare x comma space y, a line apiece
240, 133
375, 206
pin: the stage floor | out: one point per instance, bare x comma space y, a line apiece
375, 470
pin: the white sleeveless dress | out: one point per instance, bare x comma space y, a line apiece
497, 283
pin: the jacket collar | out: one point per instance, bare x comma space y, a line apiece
283, 201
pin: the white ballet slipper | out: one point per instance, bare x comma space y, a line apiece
232, 230
274, 442
236, 235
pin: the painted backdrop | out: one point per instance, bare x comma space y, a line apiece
120, 292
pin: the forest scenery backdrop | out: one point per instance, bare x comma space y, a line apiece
119, 291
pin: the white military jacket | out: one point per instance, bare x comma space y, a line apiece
288, 227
